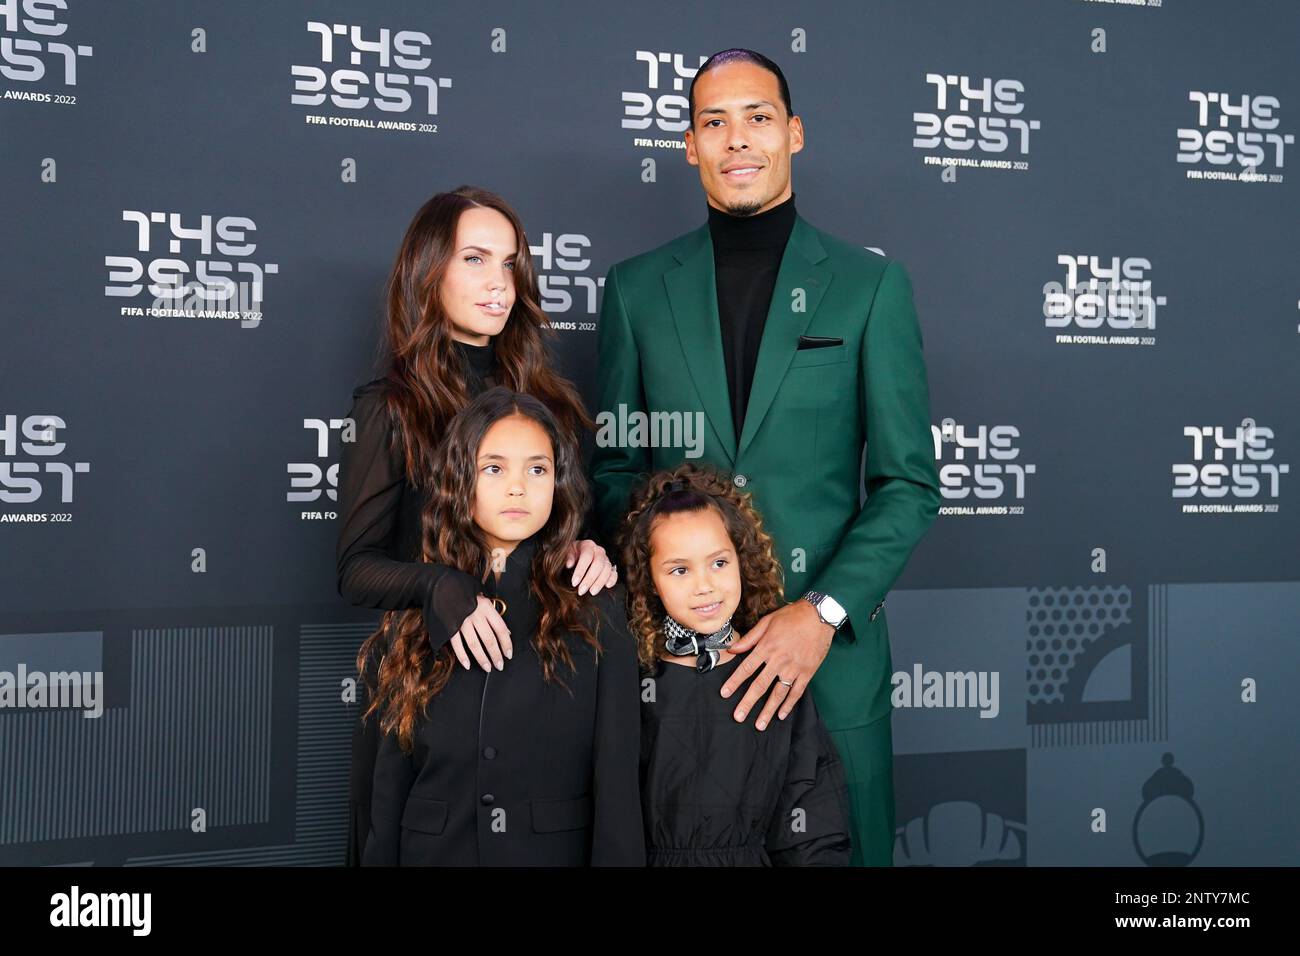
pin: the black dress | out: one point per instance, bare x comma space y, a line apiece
379, 550
716, 792
510, 770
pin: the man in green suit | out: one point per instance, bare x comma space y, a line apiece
798, 348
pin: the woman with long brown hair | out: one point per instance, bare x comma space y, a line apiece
462, 314
536, 765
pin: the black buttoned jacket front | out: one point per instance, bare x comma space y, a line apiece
510, 770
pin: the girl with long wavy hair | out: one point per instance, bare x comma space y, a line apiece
535, 765
462, 314
717, 792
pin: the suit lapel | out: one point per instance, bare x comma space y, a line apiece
800, 285
693, 297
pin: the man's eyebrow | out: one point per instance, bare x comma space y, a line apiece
748, 106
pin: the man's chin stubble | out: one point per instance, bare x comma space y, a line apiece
745, 208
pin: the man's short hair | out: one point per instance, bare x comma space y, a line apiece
740, 55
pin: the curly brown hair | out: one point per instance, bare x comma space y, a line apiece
761, 576
410, 673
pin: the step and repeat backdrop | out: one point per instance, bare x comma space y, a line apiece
1097, 203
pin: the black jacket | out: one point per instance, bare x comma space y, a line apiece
509, 770
721, 793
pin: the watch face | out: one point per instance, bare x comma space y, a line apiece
831, 611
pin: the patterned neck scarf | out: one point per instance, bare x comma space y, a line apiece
681, 640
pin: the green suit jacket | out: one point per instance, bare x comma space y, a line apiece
810, 412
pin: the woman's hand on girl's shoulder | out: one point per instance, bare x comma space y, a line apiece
592, 569
486, 636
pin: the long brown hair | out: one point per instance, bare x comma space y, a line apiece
761, 575
426, 381
410, 673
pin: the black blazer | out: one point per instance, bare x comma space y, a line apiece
508, 770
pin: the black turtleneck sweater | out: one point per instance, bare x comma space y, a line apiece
747, 253
480, 360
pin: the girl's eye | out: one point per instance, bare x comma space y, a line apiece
488, 468
473, 258
539, 469
675, 570
721, 562
511, 265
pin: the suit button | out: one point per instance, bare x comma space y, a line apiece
487, 799
489, 752
740, 481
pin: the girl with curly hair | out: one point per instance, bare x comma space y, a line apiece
534, 764
716, 792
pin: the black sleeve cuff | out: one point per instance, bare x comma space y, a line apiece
452, 597
590, 530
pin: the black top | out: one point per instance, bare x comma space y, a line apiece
716, 792
747, 253
510, 770
480, 359
379, 545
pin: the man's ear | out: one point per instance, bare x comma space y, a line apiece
796, 134
691, 158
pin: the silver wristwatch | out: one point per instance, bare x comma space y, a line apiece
828, 609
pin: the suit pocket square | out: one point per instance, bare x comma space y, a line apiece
818, 341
